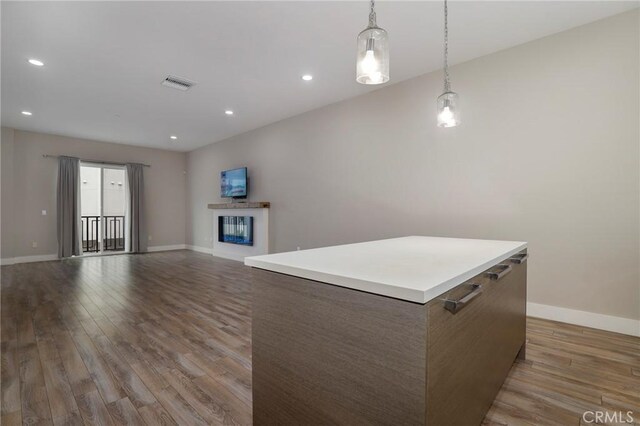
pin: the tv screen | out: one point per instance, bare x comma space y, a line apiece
233, 183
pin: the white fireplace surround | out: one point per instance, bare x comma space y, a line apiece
260, 232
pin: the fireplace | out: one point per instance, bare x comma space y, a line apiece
256, 222
235, 230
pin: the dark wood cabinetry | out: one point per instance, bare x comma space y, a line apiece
324, 354
469, 353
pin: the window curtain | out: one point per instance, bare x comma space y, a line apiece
137, 224
68, 208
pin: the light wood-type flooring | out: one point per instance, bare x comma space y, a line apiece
165, 339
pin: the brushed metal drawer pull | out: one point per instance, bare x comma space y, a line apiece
501, 273
454, 306
519, 258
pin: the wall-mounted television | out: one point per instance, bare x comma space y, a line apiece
233, 183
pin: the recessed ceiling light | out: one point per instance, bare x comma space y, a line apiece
36, 62
228, 112
26, 113
307, 77
173, 137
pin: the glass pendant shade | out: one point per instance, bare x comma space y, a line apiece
373, 56
448, 107
448, 110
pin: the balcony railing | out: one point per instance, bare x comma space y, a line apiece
113, 238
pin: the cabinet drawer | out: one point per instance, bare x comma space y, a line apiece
471, 351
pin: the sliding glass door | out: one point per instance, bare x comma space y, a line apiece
103, 208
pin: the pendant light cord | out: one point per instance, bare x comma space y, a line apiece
447, 85
372, 15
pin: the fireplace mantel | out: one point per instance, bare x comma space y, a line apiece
244, 205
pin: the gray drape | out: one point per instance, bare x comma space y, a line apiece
137, 226
68, 208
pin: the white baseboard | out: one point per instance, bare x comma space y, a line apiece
167, 248
28, 259
585, 319
49, 257
207, 250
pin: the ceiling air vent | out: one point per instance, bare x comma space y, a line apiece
178, 83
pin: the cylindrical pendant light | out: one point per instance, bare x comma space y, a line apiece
372, 65
448, 109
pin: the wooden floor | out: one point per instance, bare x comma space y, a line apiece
164, 338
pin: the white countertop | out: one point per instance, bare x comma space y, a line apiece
416, 269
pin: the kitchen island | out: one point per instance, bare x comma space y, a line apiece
414, 330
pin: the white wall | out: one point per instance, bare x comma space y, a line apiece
91, 191
114, 192
29, 186
548, 153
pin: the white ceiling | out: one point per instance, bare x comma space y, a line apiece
104, 61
